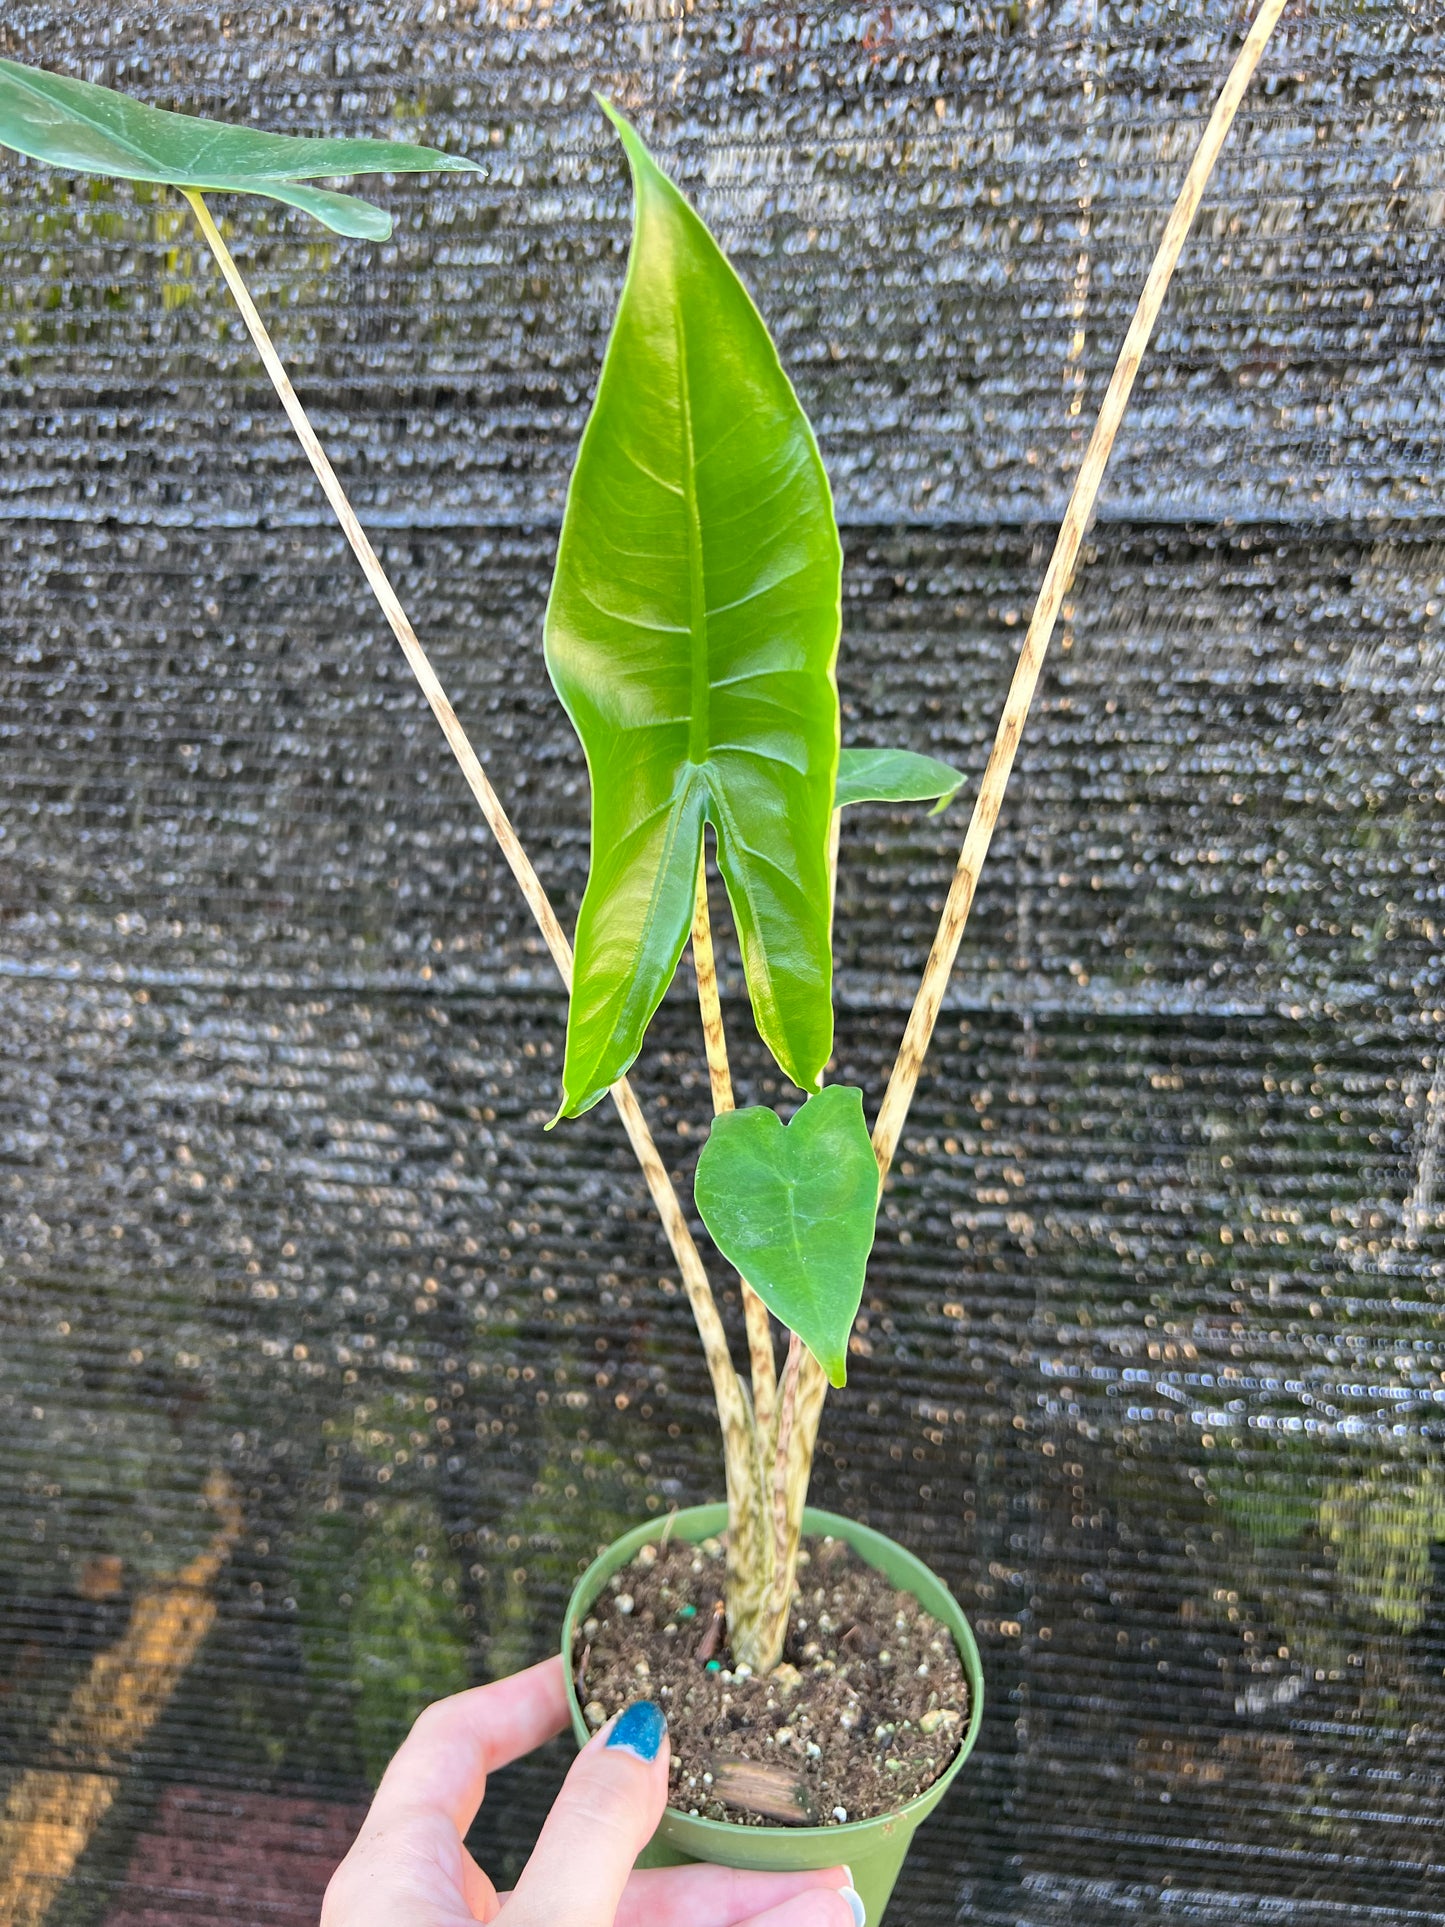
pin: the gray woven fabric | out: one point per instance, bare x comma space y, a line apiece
1151, 1360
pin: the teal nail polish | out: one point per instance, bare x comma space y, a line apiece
640, 1730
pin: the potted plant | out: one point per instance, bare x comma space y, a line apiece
692, 634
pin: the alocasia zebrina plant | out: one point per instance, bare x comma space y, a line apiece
692, 633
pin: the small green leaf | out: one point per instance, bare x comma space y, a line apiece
692, 635
794, 1207
895, 776
94, 130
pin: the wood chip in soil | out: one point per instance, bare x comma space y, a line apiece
866, 1710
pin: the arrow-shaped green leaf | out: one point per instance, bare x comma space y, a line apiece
793, 1207
692, 634
73, 124
895, 776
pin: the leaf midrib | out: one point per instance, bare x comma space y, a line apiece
803, 1281
699, 730
699, 743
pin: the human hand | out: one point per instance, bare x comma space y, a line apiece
409, 1866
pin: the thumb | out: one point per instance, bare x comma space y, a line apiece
606, 1813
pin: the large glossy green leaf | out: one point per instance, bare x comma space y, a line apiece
794, 1207
895, 776
692, 633
73, 124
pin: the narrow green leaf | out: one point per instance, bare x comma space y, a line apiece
794, 1207
692, 633
94, 130
895, 776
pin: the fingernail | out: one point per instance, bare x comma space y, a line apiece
855, 1903
641, 1730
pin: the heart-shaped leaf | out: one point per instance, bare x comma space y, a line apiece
895, 776
692, 633
794, 1208
73, 124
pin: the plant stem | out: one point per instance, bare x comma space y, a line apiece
786, 1447
783, 1567
737, 1422
755, 1312
904, 1079
800, 1408
709, 1003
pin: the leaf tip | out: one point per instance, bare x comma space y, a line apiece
376, 231
574, 1104
568, 1106
638, 155
618, 119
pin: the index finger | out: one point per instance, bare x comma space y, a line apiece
442, 1764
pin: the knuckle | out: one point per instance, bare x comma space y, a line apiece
434, 1715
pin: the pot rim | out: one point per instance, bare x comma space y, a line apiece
707, 1519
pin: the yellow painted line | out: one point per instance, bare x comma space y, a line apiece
52, 1812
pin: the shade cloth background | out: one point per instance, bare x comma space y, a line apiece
1150, 1364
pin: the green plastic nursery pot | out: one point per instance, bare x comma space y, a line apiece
874, 1849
